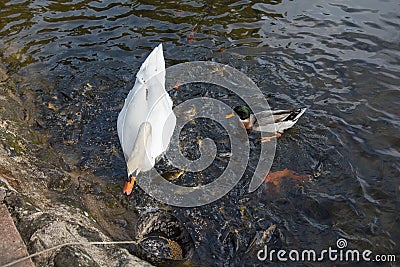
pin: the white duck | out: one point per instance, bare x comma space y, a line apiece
146, 122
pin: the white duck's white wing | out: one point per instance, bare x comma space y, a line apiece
132, 115
142, 160
160, 116
148, 101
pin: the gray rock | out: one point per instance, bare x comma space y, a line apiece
3, 73
72, 257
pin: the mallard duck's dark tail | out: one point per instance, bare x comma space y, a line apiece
295, 114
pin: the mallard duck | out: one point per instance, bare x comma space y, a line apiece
269, 121
146, 121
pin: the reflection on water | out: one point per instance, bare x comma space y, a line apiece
339, 59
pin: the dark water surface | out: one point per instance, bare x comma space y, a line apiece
338, 58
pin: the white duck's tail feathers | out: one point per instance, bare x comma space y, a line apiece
153, 65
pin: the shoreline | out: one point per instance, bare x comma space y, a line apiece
49, 203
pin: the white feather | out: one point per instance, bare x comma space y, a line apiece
148, 107
275, 120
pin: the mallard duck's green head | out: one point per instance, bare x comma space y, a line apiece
243, 112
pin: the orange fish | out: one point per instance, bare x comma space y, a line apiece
274, 177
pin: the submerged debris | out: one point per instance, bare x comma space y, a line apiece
175, 250
163, 247
233, 236
173, 175
262, 237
